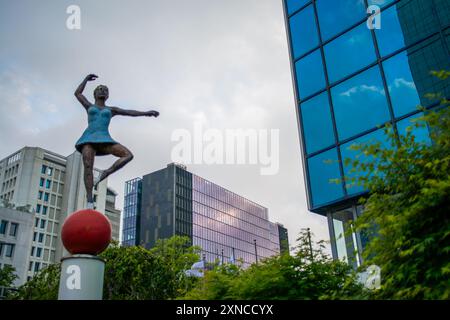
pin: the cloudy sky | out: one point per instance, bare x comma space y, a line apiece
222, 62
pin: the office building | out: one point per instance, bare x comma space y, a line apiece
49, 186
174, 201
349, 81
16, 230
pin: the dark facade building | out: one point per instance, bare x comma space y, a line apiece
349, 81
173, 201
283, 238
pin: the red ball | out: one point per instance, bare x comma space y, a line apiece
86, 232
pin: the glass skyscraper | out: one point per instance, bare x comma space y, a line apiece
173, 201
350, 80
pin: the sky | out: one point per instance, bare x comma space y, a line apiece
223, 63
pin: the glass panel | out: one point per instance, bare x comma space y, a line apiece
310, 74
347, 153
380, 3
316, 123
360, 103
322, 168
421, 134
293, 5
349, 53
303, 32
401, 85
336, 16
390, 36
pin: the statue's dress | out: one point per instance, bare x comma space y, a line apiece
97, 130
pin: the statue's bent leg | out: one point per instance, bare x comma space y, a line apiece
88, 153
117, 150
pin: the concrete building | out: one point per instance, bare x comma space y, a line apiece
174, 201
112, 213
16, 229
51, 186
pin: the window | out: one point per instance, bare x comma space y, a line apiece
38, 252
49, 171
36, 222
390, 36
294, 5
401, 85
348, 11
41, 237
303, 31
421, 134
349, 53
44, 210
30, 267
355, 99
48, 184
13, 229
46, 195
33, 249
347, 153
37, 266
34, 236
9, 250
41, 182
44, 169
3, 226
43, 223
310, 74
322, 168
316, 123
38, 208
40, 195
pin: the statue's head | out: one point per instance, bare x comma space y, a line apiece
101, 92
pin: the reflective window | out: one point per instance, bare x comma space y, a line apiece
303, 32
380, 3
360, 103
322, 168
404, 96
390, 36
348, 153
336, 16
349, 53
421, 134
310, 74
293, 5
317, 125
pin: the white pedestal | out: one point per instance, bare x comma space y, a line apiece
81, 278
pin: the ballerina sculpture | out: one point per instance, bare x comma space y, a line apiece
96, 140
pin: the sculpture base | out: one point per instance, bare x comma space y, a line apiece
81, 278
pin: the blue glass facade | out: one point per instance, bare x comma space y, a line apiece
131, 212
350, 80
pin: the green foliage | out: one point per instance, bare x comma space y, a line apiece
409, 204
131, 273
305, 275
7, 276
43, 286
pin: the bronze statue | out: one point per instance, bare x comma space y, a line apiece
96, 139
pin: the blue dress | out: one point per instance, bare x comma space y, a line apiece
97, 130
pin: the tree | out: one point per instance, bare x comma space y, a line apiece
406, 214
131, 273
305, 275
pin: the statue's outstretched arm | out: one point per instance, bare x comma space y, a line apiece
116, 111
79, 92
